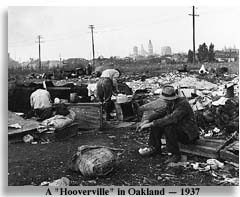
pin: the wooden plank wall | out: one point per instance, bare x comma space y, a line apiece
88, 115
228, 152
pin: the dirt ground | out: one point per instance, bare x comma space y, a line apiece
32, 164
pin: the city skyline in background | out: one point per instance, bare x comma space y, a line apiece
65, 31
165, 50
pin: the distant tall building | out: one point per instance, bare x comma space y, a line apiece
135, 51
143, 52
166, 50
150, 48
230, 49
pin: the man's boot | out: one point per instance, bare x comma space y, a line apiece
108, 117
107, 110
174, 158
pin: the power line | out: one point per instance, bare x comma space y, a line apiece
61, 37
68, 36
193, 15
20, 45
18, 42
136, 24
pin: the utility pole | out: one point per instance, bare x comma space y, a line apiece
92, 27
60, 57
193, 15
39, 41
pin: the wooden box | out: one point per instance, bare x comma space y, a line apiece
204, 147
186, 91
88, 115
125, 111
59, 134
231, 152
67, 132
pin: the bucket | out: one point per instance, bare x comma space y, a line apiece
73, 97
121, 98
230, 92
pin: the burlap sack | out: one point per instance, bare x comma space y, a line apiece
93, 160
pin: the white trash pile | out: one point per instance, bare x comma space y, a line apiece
181, 80
205, 91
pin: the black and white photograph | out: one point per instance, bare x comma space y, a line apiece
123, 96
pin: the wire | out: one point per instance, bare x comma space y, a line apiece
20, 45
106, 29
69, 36
130, 25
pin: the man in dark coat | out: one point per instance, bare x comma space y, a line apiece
176, 122
89, 69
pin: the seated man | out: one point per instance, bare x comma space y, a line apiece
176, 122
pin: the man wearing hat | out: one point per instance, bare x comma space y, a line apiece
176, 122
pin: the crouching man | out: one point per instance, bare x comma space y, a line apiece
106, 86
176, 122
41, 104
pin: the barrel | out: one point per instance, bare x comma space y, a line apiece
230, 92
73, 97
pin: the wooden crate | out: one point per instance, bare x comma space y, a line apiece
67, 132
125, 111
88, 115
186, 91
227, 153
204, 147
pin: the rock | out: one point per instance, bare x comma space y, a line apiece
45, 183
92, 181
28, 138
184, 158
159, 178
64, 181
215, 164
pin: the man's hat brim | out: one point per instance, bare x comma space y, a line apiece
169, 98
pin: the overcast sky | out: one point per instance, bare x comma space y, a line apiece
117, 29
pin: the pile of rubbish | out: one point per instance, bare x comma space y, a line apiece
221, 173
63, 182
215, 104
174, 78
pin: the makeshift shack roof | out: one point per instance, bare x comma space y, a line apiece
79, 69
103, 67
73, 63
26, 125
67, 69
